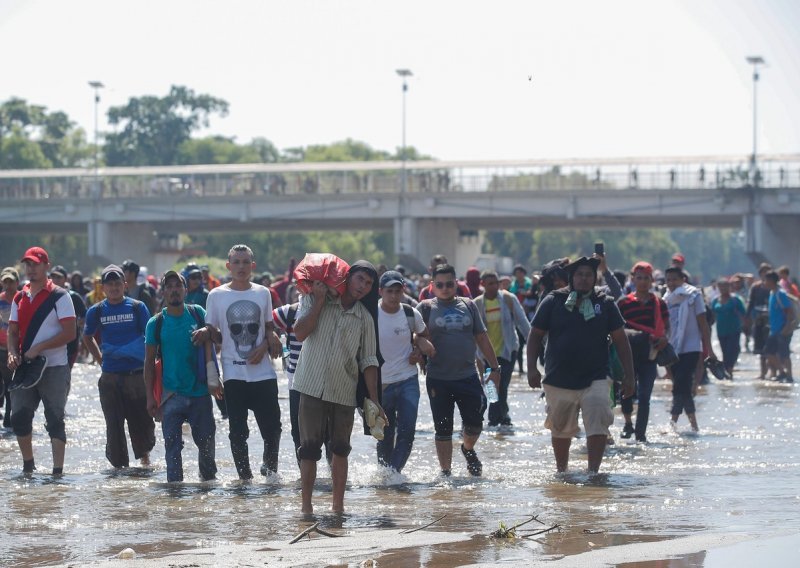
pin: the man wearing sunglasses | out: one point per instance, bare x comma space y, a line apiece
456, 329
240, 318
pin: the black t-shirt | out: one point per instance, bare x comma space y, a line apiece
577, 350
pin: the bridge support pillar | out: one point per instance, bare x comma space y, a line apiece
423, 238
773, 239
115, 242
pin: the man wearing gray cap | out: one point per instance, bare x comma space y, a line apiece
121, 385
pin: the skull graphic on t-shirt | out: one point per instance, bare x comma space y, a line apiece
244, 321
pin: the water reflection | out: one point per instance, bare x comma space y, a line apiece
742, 473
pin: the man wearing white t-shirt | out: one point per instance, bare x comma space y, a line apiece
42, 304
240, 318
400, 349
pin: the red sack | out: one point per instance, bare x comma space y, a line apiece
327, 268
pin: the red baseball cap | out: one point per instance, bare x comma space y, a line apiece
645, 267
37, 255
678, 257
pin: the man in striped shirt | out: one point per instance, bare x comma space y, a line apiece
339, 340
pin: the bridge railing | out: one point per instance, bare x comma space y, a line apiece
297, 179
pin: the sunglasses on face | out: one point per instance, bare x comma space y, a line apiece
448, 284
237, 328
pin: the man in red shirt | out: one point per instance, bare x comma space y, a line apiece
42, 322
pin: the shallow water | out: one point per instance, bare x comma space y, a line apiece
741, 473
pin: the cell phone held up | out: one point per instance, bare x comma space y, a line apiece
600, 249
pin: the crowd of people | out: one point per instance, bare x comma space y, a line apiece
167, 348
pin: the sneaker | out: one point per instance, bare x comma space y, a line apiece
474, 465
641, 438
627, 431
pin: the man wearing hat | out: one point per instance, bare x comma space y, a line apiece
47, 307
578, 321
121, 385
9, 278
184, 398
195, 293
400, 331
58, 274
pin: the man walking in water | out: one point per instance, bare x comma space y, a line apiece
42, 322
240, 317
577, 321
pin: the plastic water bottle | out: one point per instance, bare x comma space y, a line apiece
491, 391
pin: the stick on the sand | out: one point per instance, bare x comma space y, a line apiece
326, 533
409, 531
304, 533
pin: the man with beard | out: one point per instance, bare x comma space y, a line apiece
339, 340
578, 321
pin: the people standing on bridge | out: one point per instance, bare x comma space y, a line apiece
240, 319
782, 321
401, 334
339, 341
758, 316
135, 290
427, 292
9, 279
457, 332
41, 323
58, 274
505, 321
577, 321
122, 322
185, 398
689, 336
729, 312
647, 317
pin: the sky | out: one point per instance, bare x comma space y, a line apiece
491, 80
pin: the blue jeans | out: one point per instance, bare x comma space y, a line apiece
197, 411
400, 402
646, 374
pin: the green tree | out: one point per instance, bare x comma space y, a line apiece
30, 137
153, 128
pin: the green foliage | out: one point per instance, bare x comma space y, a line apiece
709, 253
153, 128
217, 150
69, 251
30, 137
346, 151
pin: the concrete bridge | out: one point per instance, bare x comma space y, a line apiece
430, 206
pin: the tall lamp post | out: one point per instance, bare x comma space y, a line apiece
755, 61
96, 85
93, 238
404, 74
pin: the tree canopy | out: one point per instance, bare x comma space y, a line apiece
154, 128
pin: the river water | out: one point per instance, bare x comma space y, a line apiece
740, 474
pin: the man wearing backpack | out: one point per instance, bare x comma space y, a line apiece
400, 330
42, 322
174, 334
122, 322
452, 379
782, 321
505, 322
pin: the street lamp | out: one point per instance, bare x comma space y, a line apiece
96, 85
755, 61
405, 74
